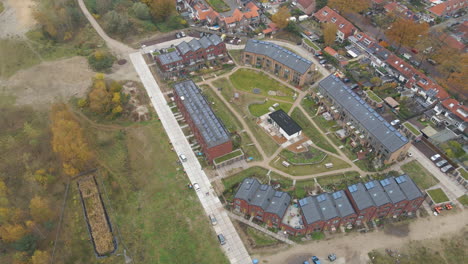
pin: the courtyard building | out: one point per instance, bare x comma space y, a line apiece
285, 124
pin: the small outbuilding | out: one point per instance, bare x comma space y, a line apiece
392, 102
286, 125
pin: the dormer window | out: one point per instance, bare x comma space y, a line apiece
341, 25
333, 19
325, 13
366, 41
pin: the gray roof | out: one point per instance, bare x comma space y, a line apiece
377, 193
247, 189
342, 203
215, 39
392, 189
210, 127
360, 196
278, 54
262, 196
310, 210
285, 122
409, 188
361, 112
327, 207
279, 203
205, 42
170, 57
196, 44
183, 47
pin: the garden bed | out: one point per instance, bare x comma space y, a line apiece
411, 128
311, 156
228, 156
438, 196
374, 97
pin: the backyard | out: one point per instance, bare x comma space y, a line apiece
256, 82
218, 5
438, 196
260, 173
420, 175
339, 181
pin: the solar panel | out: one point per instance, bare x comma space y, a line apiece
375, 114
392, 129
263, 187
337, 195
400, 179
385, 182
321, 198
369, 185
278, 194
352, 188
398, 134
303, 202
381, 118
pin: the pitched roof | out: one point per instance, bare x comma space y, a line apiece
362, 113
377, 193
451, 41
327, 207
306, 3
279, 54
262, 196
210, 127
310, 210
360, 196
392, 190
279, 203
330, 51
456, 108
285, 122
326, 14
439, 9
247, 189
342, 203
171, 57
408, 187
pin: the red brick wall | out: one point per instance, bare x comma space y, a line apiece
350, 219
383, 210
292, 230
414, 205
244, 206
219, 150
398, 208
328, 225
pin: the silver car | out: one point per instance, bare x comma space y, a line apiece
441, 163
435, 157
446, 168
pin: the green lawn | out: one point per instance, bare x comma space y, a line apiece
311, 44
15, 55
310, 106
301, 170
159, 219
236, 55
326, 125
374, 97
463, 173
420, 175
302, 187
260, 239
463, 200
228, 156
311, 131
438, 196
218, 5
247, 80
1, 7
257, 109
411, 128
258, 173
313, 155
339, 181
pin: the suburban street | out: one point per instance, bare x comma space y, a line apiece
234, 248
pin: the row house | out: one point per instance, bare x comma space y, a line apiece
362, 202
448, 7
278, 61
190, 56
362, 123
400, 10
262, 201
382, 202
395, 194
456, 114
413, 194
344, 27
306, 6
210, 132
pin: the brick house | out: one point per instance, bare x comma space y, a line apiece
344, 27
277, 60
361, 202
396, 195
413, 194
363, 124
454, 112
262, 201
381, 201
210, 132
345, 209
306, 6
190, 56
448, 8
241, 21
330, 215
311, 215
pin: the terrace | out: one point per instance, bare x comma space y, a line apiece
293, 217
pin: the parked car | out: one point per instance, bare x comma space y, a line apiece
182, 34
431, 61
346, 80
446, 168
395, 122
315, 260
183, 158
177, 35
323, 62
415, 51
353, 86
441, 163
435, 157
196, 186
213, 220
332, 257
221, 239
320, 57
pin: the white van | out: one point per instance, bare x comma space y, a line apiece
183, 158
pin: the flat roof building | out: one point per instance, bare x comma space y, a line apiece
287, 126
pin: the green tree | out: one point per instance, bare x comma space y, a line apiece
40, 257
406, 32
102, 6
101, 61
141, 11
40, 210
280, 18
161, 9
116, 23
329, 33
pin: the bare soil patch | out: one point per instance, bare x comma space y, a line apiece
17, 18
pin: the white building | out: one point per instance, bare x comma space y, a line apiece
286, 125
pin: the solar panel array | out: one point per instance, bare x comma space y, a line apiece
360, 112
352, 188
210, 127
279, 54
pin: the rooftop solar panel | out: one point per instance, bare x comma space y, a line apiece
263, 187
303, 202
369, 185
337, 195
400, 179
352, 188
321, 197
385, 182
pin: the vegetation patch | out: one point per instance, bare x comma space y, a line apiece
259, 109
301, 170
438, 196
463, 199
373, 96
256, 82
339, 181
218, 5
411, 128
311, 131
420, 175
463, 173
236, 55
228, 156
260, 239
16, 55
311, 44
311, 156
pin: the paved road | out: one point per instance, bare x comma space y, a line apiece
234, 248
452, 188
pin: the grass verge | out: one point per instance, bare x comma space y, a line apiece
258, 109
411, 128
301, 170
463, 200
236, 56
420, 175
218, 5
260, 239
438, 196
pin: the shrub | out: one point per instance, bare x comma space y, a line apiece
141, 11
101, 61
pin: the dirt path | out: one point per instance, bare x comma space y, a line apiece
17, 18
355, 246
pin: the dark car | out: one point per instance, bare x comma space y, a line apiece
415, 51
315, 260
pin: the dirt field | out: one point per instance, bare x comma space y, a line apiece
354, 247
50, 81
17, 18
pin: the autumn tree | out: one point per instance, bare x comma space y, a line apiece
39, 209
329, 33
349, 6
99, 98
280, 18
12, 232
40, 257
115, 22
405, 32
68, 141
101, 61
141, 11
161, 9
3, 194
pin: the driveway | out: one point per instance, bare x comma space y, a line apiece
234, 248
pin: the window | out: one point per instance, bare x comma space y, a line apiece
341, 25
325, 13
333, 19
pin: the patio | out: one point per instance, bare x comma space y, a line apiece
293, 218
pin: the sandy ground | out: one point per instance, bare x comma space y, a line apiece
353, 248
50, 81
17, 18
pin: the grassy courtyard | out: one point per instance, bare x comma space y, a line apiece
260, 173
218, 5
259, 109
260, 239
420, 175
301, 170
312, 155
339, 181
247, 80
438, 196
